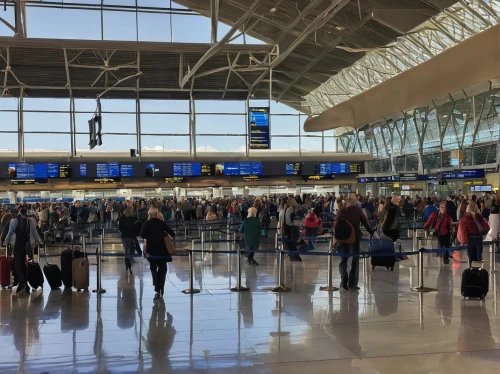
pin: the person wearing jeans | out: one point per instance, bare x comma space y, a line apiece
355, 216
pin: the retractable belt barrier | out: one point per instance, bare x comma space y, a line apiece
281, 252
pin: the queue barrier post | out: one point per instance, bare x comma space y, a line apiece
239, 287
102, 243
281, 272
421, 287
329, 286
493, 266
99, 289
191, 290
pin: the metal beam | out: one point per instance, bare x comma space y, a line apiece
316, 24
282, 35
219, 46
214, 19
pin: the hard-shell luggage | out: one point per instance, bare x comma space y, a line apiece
35, 275
67, 257
81, 273
5, 270
52, 272
475, 282
34, 272
383, 253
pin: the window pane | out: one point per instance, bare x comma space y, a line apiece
165, 123
330, 144
160, 144
279, 108
64, 23
284, 125
290, 144
82, 122
8, 142
46, 104
220, 144
8, 103
8, 121
219, 106
46, 122
117, 106
119, 26
109, 143
154, 27
50, 142
220, 124
183, 26
86, 105
311, 144
118, 123
171, 106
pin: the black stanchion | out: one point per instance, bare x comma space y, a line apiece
421, 287
239, 287
99, 288
493, 266
281, 272
329, 286
191, 289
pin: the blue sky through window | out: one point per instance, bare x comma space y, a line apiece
47, 121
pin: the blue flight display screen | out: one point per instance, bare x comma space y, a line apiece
325, 169
256, 168
83, 170
126, 170
231, 168
108, 170
53, 170
341, 168
187, 169
40, 171
259, 128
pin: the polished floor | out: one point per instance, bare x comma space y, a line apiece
382, 328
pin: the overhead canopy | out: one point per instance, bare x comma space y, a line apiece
473, 61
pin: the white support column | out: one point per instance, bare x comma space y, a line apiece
20, 124
12, 197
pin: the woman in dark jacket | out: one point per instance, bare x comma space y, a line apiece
153, 232
127, 230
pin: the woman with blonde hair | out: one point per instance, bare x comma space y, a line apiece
153, 232
471, 228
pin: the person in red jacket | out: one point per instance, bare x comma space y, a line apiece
312, 223
440, 221
471, 228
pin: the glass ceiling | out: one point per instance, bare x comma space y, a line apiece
455, 24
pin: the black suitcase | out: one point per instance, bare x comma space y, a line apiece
52, 272
67, 257
387, 261
475, 283
378, 249
35, 276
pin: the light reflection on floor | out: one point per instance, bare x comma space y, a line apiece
383, 328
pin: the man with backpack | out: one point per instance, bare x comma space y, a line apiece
347, 238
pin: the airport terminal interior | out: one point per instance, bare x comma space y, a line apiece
327, 174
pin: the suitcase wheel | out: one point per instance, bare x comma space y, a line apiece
392, 269
373, 267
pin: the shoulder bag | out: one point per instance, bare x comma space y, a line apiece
169, 243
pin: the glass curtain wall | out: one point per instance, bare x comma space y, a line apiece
457, 133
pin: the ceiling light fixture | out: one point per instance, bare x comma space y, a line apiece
340, 28
272, 10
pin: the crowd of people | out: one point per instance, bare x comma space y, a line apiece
461, 217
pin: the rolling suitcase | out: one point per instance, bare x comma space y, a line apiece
5, 269
81, 273
475, 282
67, 257
384, 253
34, 272
52, 272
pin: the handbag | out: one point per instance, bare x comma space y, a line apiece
169, 243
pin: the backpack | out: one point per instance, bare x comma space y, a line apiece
344, 231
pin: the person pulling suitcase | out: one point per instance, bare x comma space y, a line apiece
26, 236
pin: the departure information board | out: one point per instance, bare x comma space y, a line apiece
108, 170
293, 169
126, 170
187, 169
238, 168
344, 168
259, 128
83, 170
